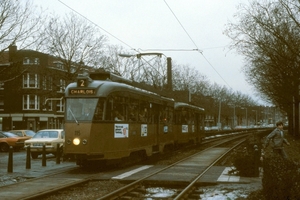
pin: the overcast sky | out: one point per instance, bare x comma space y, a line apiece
159, 25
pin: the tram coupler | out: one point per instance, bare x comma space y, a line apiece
44, 156
10, 159
28, 160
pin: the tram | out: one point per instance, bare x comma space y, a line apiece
107, 121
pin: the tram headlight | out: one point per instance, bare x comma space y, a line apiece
76, 141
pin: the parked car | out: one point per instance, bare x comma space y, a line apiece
206, 128
214, 128
22, 133
9, 139
48, 137
226, 128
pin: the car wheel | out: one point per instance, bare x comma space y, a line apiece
4, 147
34, 155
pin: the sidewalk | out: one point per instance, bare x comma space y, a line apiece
20, 173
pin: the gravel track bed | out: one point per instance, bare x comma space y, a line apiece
94, 189
91, 190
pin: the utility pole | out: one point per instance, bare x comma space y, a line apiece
219, 118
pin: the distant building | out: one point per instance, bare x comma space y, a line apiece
32, 86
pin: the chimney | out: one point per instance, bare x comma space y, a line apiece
12, 50
169, 73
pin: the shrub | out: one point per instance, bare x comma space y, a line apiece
281, 179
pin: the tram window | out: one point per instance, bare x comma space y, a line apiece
132, 113
143, 112
143, 115
192, 118
184, 117
74, 109
155, 113
119, 108
118, 116
99, 110
132, 108
164, 115
80, 109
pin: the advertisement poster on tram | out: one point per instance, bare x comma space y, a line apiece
185, 128
121, 130
165, 129
144, 130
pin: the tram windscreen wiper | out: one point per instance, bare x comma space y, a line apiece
73, 116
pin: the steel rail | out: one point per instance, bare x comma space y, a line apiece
123, 190
191, 185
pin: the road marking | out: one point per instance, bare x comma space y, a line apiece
225, 177
121, 176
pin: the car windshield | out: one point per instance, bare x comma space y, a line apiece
30, 133
8, 134
46, 134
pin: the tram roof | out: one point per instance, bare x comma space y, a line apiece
104, 88
186, 105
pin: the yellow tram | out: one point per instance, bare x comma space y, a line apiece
108, 121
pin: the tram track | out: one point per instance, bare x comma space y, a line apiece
135, 189
71, 179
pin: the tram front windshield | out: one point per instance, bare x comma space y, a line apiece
84, 109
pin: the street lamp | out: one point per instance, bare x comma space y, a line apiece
246, 115
255, 116
234, 124
219, 117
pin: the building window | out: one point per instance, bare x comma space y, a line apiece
30, 80
62, 85
60, 106
73, 69
58, 64
31, 102
44, 83
31, 61
50, 82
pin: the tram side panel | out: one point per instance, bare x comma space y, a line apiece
188, 125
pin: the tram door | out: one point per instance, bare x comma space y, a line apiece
155, 108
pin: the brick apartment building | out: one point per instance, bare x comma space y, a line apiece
32, 86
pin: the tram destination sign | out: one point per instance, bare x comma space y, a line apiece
82, 91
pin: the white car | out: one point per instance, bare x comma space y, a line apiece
48, 137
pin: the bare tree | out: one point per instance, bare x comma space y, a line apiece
76, 42
271, 49
20, 23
